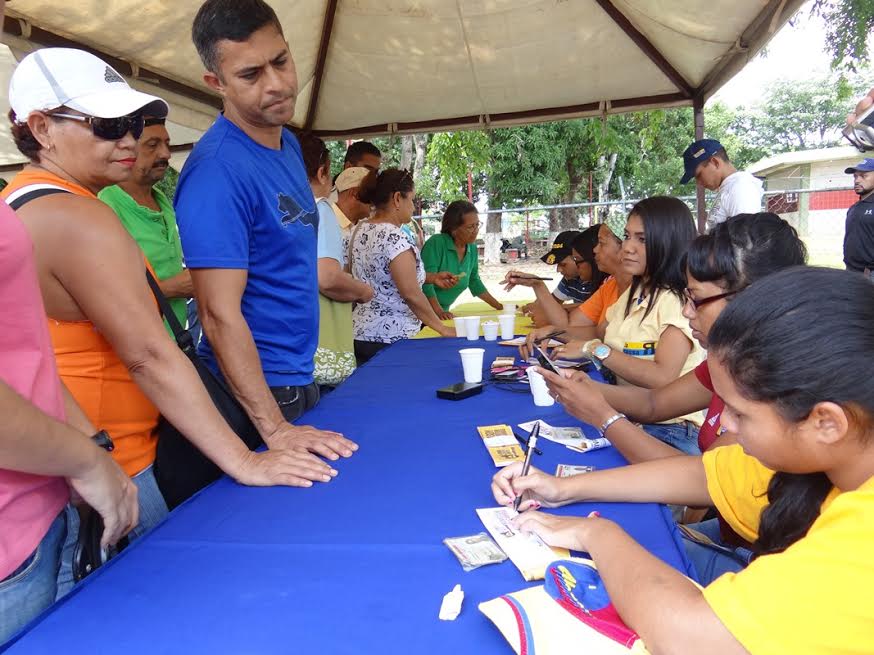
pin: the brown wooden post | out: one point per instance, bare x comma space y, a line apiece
698, 112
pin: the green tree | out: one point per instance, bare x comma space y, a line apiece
848, 27
800, 114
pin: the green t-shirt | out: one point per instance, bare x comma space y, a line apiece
156, 233
439, 254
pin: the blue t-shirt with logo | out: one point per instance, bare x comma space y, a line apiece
240, 205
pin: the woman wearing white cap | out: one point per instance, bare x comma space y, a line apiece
78, 120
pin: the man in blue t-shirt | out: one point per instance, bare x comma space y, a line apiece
249, 227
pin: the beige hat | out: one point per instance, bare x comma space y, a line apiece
350, 178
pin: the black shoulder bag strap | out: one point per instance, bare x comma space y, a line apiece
183, 338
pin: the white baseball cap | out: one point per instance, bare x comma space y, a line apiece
350, 178
49, 78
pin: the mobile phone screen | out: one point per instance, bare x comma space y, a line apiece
545, 362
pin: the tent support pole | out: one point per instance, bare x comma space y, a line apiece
698, 112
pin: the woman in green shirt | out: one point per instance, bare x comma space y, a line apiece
453, 251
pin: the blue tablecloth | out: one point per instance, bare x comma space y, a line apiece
353, 566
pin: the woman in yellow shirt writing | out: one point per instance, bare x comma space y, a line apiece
791, 358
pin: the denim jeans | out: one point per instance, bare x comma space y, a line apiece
35, 585
712, 561
294, 401
152, 510
194, 328
682, 436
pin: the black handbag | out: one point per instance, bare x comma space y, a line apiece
181, 470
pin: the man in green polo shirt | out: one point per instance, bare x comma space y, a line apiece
149, 217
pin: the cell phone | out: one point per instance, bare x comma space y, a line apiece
861, 133
545, 361
460, 391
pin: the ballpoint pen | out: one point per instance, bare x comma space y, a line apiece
522, 440
526, 466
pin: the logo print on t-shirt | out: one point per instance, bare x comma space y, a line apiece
292, 212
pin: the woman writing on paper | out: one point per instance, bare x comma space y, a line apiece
799, 483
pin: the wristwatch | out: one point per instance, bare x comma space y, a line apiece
103, 440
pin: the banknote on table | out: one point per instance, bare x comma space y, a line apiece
567, 470
527, 551
475, 551
501, 444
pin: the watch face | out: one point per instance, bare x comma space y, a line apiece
602, 351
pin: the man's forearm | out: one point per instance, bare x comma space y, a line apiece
342, 287
178, 286
237, 355
33, 442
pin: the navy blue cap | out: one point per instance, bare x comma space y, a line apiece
866, 166
698, 152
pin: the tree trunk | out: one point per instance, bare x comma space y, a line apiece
492, 253
406, 151
554, 226
492, 241
606, 166
421, 144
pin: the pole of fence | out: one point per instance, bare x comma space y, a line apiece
698, 110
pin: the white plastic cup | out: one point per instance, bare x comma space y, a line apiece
490, 330
509, 308
472, 363
471, 327
460, 326
539, 389
508, 326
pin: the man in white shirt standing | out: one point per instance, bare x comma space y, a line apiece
737, 192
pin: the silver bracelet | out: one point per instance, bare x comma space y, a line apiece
610, 421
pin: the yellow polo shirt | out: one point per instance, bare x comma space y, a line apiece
638, 336
813, 598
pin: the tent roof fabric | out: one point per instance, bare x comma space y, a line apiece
369, 67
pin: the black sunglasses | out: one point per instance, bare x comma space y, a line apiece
111, 129
706, 301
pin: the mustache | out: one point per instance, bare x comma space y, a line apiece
161, 163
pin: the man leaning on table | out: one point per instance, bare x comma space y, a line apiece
249, 225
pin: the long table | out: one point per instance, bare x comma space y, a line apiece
353, 566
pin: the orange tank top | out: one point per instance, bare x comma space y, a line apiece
95, 376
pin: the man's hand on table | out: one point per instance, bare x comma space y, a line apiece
328, 444
282, 466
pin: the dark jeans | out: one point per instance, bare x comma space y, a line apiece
294, 401
365, 350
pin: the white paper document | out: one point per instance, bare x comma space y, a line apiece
528, 552
572, 438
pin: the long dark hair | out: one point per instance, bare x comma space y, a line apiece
669, 229
743, 249
377, 188
454, 215
793, 339
585, 244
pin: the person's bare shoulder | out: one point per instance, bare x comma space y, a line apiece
66, 225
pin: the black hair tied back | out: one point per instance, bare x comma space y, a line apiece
793, 339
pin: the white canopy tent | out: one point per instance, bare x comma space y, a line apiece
370, 67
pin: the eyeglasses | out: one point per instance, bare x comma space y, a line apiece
110, 129
697, 304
